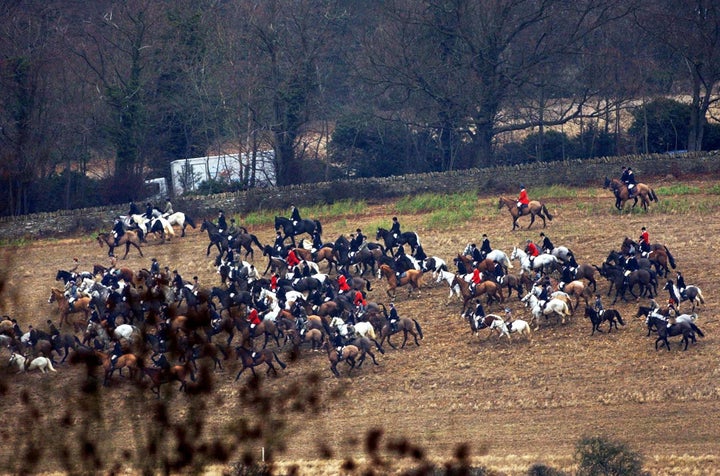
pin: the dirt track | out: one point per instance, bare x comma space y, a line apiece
514, 403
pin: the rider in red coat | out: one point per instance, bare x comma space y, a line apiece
531, 249
254, 320
644, 241
523, 200
343, 284
292, 259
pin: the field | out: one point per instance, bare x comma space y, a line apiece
513, 404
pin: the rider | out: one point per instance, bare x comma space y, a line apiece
343, 284
475, 280
532, 251
499, 272
338, 341
681, 285
118, 231
292, 259
168, 210
232, 229
599, 305
628, 178
177, 281
294, 215
356, 240
523, 200
567, 273
395, 229
254, 319
316, 241
393, 318
279, 243
222, 223
360, 303
485, 248
547, 245
154, 268
479, 310
475, 252
149, 211
631, 264
134, 210
71, 292
644, 241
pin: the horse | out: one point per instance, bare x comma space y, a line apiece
563, 253
216, 238
159, 376
182, 220
250, 359
129, 238
505, 329
577, 290
110, 365
349, 353
553, 306
692, 294
534, 208
408, 237
412, 277
492, 289
545, 262
244, 241
292, 229
43, 364
81, 304
586, 271
597, 318
687, 330
405, 325
622, 195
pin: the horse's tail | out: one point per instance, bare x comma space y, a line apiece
700, 295
189, 221
545, 210
671, 259
697, 329
379, 347
282, 364
653, 196
371, 333
367, 285
52, 369
318, 226
256, 241
141, 234
418, 328
619, 318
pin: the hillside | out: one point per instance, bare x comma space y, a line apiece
513, 403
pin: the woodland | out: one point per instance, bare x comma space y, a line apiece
97, 96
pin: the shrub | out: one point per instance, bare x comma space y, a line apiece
600, 456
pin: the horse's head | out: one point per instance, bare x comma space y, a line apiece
380, 233
204, 225
607, 182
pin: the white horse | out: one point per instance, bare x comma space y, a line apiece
518, 325
146, 225
434, 264
181, 220
339, 324
290, 297
497, 256
562, 253
365, 329
545, 262
127, 332
553, 306
38, 363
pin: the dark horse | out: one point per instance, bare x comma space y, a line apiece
409, 237
216, 238
250, 359
686, 329
303, 226
597, 318
620, 190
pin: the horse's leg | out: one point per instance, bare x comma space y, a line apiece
532, 220
405, 334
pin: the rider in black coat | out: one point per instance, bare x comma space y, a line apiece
222, 223
485, 248
547, 245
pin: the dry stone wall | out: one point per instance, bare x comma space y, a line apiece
505, 179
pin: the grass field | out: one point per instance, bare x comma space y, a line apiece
511, 404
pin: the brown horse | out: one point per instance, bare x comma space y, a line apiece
413, 277
80, 305
491, 288
622, 195
125, 361
534, 208
577, 289
159, 376
250, 359
129, 238
405, 325
349, 353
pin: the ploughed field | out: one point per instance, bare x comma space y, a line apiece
513, 403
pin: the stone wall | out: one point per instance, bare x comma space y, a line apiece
581, 173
